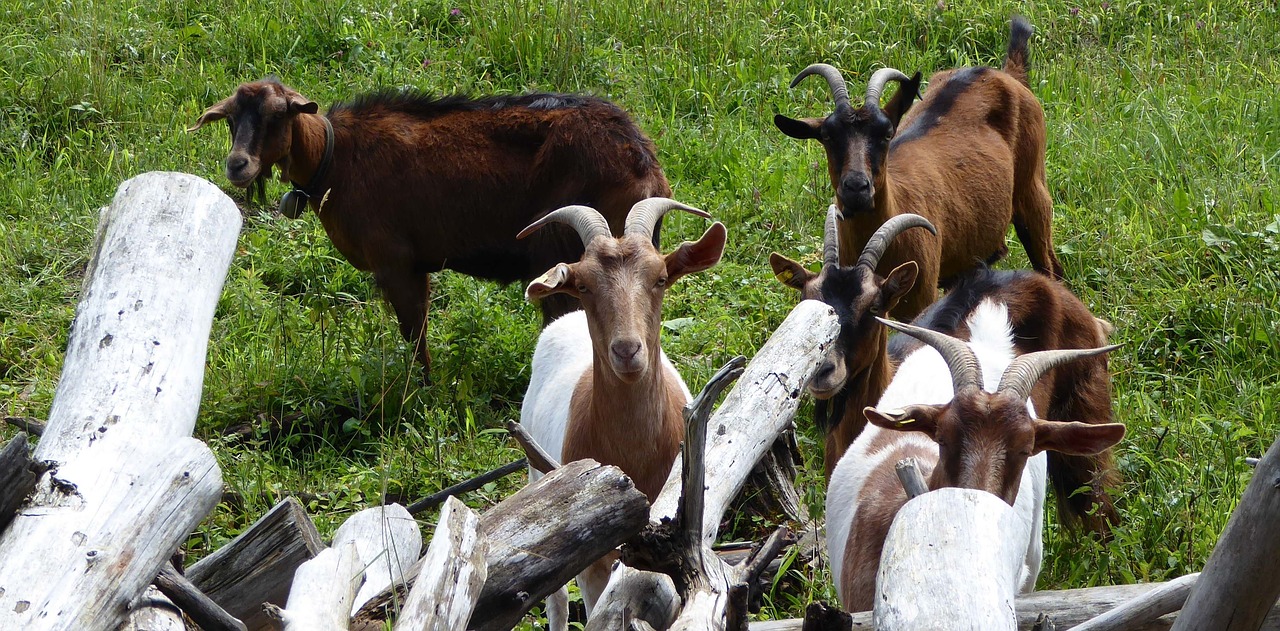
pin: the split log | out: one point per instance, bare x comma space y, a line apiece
947, 563
128, 482
258, 565
153, 611
18, 477
194, 603
435, 499
759, 408
1067, 607
1240, 584
387, 541
539, 538
453, 571
1150, 606
322, 592
635, 596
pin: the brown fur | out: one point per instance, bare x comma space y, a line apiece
418, 184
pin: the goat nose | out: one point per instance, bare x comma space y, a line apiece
857, 184
625, 349
237, 162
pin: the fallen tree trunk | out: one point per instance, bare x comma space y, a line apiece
387, 541
539, 538
453, 571
1240, 582
258, 565
322, 591
1144, 609
635, 596
18, 476
153, 611
128, 482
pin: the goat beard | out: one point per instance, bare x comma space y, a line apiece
258, 189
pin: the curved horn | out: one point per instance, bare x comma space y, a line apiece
878, 80
965, 372
886, 233
584, 219
834, 80
831, 238
646, 213
1021, 375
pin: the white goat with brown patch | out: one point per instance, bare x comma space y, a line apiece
601, 386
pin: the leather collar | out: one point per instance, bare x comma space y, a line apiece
325, 162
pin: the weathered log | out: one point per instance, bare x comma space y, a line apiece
18, 476
1240, 584
947, 563
453, 571
387, 541
635, 596
258, 565
539, 538
153, 611
1150, 606
435, 499
1067, 607
322, 591
29, 425
911, 478
538, 458
202, 611
759, 408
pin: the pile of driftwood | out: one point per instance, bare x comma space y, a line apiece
90, 520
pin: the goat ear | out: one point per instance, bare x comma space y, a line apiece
558, 280
216, 112
902, 99
1076, 439
299, 104
914, 418
699, 255
898, 283
789, 272
803, 129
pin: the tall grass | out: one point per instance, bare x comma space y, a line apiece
1164, 144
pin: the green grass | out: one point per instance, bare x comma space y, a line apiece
1164, 149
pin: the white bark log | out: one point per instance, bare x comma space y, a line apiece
1150, 606
387, 540
129, 482
759, 408
136, 350
152, 611
323, 588
453, 571
635, 595
1240, 581
948, 564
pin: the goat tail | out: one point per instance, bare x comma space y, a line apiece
1015, 58
1080, 483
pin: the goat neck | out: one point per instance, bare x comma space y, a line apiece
856, 228
306, 152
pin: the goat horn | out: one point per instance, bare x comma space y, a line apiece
584, 219
831, 238
963, 364
646, 213
1021, 375
878, 80
886, 233
838, 88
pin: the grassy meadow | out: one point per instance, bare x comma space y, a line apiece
1163, 161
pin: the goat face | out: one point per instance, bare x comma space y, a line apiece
985, 438
260, 116
856, 140
621, 283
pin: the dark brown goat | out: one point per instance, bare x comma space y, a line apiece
970, 158
416, 184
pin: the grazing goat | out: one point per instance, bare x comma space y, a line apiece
980, 432
855, 369
970, 158
601, 387
406, 185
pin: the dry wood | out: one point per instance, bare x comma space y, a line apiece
453, 571
202, 611
258, 565
26, 424
387, 542
912, 480
18, 476
634, 597
153, 611
1240, 582
538, 458
435, 499
539, 538
1150, 606
322, 591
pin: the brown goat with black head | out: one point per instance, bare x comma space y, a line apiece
406, 185
855, 369
970, 158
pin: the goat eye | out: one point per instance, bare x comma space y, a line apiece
662, 282
582, 289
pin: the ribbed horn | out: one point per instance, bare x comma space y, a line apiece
831, 238
584, 219
963, 364
1021, 375
886, 233
834, 80
878, 80
645, 214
